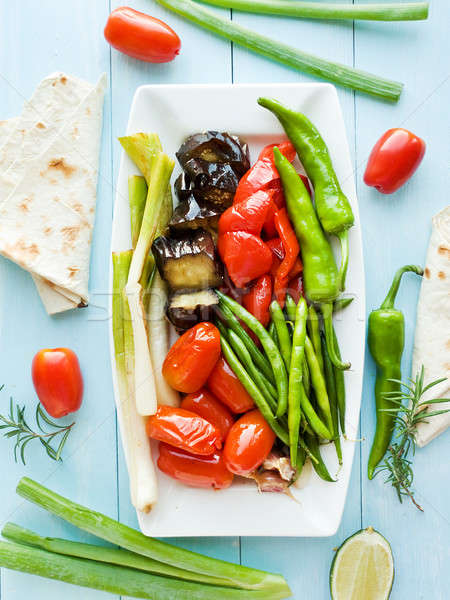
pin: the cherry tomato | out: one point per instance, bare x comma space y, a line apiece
183, 429
141, 36
248, 444
393, 160
258, 299
197, 471
192, 358
245, 255
224, 384
203, 403
248, 215
58, 381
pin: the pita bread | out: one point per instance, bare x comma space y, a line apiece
432, 336
6, 128
46, 220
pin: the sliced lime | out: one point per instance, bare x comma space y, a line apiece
363, 568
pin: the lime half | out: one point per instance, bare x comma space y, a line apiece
363, 568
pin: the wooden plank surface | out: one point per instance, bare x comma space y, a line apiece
38, 38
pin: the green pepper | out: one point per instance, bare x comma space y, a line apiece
320, 275
386, 337
332, 205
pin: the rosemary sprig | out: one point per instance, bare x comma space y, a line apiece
16, 426
410, 411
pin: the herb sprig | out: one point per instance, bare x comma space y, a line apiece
15, 426
410, 411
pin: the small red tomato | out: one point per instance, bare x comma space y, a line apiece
197, 471
141, 36
58, 381
192, 358
393, 160
183, 429
248, 444
203, 403
245, 256
224, 384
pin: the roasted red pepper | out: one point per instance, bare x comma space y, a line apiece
248, 215
245, 256
286, 148
258, 299
291, 250
185, 430
295, 288
393, 160
276, 245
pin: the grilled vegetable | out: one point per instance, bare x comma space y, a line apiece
186, 310
215, 147
188, 262
189, 214
182, 187
212, 182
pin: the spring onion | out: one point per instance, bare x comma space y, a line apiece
121, 535
285, 54
409, 11
137, 194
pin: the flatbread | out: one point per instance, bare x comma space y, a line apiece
6, 128
432, 336
46, 221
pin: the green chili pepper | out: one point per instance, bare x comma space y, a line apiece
295, 378
314, 334
319, 466
342, 303
284, 339
318, 383
333, 208
386, 337
332, 396
340, 386
271, 350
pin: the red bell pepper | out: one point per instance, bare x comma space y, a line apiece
291, 251
286, 148
295, 288
245, 256
248, 215
258, 299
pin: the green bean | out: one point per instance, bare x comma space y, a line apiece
272, 352
295, 378
331, 389
284, 339
306, 376
340, 387
318, 383
342, 303
271, 330
311, 416
290, 308
258, 357
319, 466
314, 334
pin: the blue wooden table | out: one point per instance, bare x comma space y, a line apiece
37, 38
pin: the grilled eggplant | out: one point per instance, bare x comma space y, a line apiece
186, 310
188, 262
215, 183
215, 147
189, 214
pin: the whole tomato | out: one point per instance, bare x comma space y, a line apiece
393, 160
184, 429
248, 444
197, 471
203, 403
224, 384
57, 380
192, 358
141, 36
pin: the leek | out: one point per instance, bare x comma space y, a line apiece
285, 54
408, 11
121, 535
137, 194
143, 485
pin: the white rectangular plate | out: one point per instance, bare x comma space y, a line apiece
175, 111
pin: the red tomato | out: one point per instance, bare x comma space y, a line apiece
192, 358
245, 256
393, 160
249, 442
58, 381
141, 36
248, 215
203, 403
224, 384
183, 429
197, 471
258, 299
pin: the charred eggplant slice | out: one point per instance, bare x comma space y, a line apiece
188, 261
186, 310
215, 147
210, 182
189, 214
